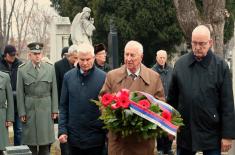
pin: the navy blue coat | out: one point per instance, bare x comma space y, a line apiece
78, 116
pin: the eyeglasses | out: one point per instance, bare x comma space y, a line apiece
194, 43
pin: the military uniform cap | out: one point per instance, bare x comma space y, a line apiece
35, 47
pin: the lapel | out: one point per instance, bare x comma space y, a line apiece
31, 70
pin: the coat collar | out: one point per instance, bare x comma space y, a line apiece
204, 62
32, 72
143, 74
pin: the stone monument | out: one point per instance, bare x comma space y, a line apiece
17, 150
113, 46
59, 36
82, 27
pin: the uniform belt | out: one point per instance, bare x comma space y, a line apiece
37, 96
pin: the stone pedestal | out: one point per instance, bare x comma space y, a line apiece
17, 150
59, 36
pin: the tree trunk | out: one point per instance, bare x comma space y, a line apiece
189, 17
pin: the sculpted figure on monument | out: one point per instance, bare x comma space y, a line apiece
82, 27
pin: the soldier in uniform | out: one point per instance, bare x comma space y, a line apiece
6, 109
37, 101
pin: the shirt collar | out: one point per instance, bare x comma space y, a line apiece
204, 62
137, 73
34, 65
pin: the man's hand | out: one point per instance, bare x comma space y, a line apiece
8, 123
63, 138
171, 137
54, 116
226, 144
23, 119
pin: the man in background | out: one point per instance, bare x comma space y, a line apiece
62, 66
9, 64
100, 57
165, 71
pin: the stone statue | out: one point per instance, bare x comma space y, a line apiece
82, 27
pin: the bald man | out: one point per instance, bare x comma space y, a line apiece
201, 89
165, 71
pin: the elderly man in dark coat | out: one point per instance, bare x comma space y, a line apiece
165, 71
78, 118
201, 90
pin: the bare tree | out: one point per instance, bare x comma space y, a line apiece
213, 14
39, 26
22, 16
5, 23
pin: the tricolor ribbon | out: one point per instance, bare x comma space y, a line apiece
154, 117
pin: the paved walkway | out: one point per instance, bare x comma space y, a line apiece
55, 150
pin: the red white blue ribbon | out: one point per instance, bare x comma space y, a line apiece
154, 117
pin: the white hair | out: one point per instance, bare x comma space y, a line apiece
161, 52
135, 44
86, 48
73, 49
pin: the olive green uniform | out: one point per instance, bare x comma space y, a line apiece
6, 108
37, 100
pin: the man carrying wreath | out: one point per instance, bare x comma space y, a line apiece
133, 75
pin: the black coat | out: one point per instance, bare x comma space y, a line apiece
165, 74
202, 92
61, 67
12, 71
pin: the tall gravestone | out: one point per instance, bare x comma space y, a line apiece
59, 36
113, 46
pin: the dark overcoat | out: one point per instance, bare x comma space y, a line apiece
202, 92
61, 67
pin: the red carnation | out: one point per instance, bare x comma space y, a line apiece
115, 106
123, 92
123, 100
107, 99
166, 115
145, 103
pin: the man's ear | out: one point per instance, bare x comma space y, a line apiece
211, 42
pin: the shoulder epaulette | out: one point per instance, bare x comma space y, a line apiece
21, 64
49, 62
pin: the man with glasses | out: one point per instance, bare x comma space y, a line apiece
201, 90
9, 64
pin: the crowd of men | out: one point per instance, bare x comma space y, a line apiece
35, 94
